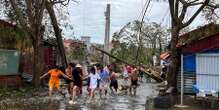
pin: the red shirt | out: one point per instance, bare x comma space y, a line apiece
113, 76
129, 69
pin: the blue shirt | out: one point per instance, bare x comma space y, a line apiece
104, 75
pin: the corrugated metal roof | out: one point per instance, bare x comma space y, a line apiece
164, 55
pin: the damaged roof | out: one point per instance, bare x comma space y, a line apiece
198, 34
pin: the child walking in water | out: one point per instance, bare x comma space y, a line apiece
94, 77
54, 79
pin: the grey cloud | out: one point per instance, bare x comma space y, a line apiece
88, 15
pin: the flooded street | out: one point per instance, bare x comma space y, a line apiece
112, 102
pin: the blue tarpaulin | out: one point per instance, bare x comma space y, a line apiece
189, 63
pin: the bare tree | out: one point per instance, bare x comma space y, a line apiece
29, 15
31, 22
178, 10
211, 12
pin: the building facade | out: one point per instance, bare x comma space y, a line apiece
198, 48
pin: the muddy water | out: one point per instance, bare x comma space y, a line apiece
112, 102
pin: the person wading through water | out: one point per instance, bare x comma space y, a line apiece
54, 81
141, 74
77, 80
104, 80
68, 71
82, 76
113, 83
134, 81
94, 77
125, 85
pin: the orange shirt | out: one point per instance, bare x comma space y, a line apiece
54, 75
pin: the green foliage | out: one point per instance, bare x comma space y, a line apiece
135, 46
77, 53
13, 38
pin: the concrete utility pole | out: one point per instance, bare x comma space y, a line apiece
107, 35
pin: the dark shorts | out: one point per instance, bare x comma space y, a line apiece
68, 81
114, 83
134, 82
77, 83
141, 75
98, 83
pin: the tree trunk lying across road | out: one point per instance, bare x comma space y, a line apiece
149, 71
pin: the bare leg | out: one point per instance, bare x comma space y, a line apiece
57, 90
71, 89
116, 85
130, 90
91, 95
100, 91
50, 91
89, 91
111, 90
105, 90
74, 92
134, 89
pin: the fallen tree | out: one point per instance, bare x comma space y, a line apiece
148, 70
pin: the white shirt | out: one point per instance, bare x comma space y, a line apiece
93, 80
125, 74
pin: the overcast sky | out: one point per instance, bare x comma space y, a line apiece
88, 18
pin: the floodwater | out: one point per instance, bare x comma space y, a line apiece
112, 102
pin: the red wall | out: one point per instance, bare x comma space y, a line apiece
49, 60
49, 56
201, 45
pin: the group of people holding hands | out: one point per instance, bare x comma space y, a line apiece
99, 78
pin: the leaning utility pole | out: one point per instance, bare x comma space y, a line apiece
107, 35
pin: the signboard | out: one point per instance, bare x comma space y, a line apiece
9, 61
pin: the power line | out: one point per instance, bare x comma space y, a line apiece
139, 34
145, 12
142, 20
142, 10
149, 11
